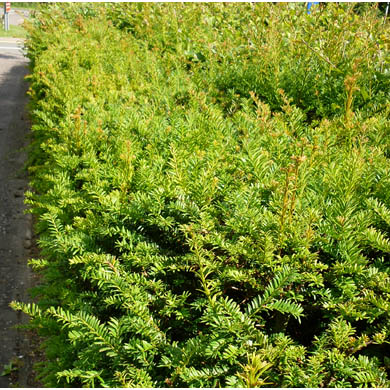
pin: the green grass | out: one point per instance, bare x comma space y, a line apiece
13, 32
24, 5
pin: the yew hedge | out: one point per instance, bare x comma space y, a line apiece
211, 183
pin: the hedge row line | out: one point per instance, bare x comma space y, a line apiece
213, 203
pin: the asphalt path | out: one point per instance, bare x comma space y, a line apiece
12, 45
15, 225
9, 45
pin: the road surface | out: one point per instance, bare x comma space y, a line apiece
15, 226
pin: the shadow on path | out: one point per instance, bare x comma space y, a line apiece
15, 226
9, 57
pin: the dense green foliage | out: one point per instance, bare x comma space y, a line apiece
213, 202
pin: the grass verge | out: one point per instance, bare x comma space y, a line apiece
13, 32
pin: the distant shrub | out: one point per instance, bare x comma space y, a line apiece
316, 59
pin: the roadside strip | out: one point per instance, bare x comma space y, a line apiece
10, 48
